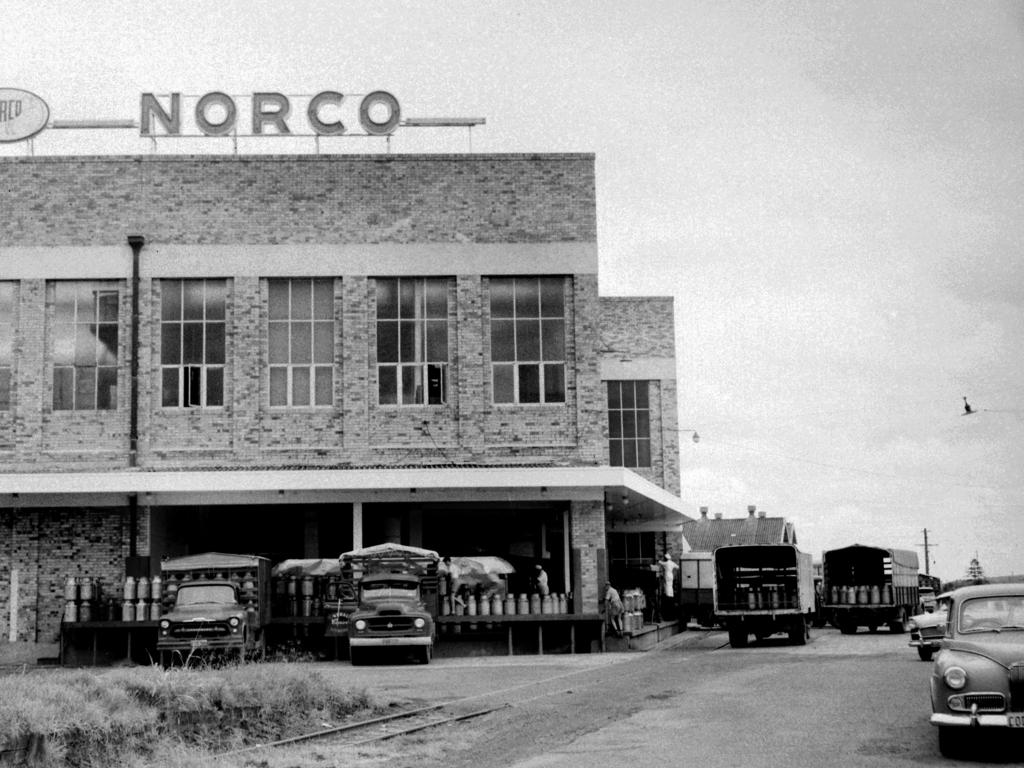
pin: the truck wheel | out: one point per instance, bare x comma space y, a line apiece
425, 654
847, 627
737, 638
899, 626
925, 652
355, 657
798, 631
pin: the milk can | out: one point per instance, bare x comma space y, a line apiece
70, 612
156, 591
523, 604
129, 588
141, 610
497, 605
85, 612
534, 603
875, 594
886, 594
545, 604
70, 588
485, 606
142, 588
510, 604
127, 611
154, 611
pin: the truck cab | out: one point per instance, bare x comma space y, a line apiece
391, 614
206, 615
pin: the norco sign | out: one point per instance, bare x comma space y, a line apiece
216, 114
22, 115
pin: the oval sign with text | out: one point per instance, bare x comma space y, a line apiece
22, 115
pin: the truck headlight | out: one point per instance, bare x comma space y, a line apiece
165, 625
955, 677
234, 621
419, 623
360, 625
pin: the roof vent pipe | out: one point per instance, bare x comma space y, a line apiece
704, 513
751, 510
762, 513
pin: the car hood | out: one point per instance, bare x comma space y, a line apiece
203, 613
930, 619
1004, 648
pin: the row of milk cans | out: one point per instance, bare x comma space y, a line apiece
139, 600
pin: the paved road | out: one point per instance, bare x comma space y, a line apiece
859, 701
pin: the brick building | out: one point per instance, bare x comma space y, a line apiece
298, 355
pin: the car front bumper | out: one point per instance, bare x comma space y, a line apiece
919, 643
388, 642
967, 720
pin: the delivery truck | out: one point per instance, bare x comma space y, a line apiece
866, 586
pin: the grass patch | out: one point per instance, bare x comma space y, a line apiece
151, 716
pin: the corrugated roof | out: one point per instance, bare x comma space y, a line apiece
707, 534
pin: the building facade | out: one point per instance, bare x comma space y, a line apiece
297, 355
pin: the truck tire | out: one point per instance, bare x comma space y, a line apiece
899, 626
925, 652
798, 631
737, 637
425, 654
355, 657
847, 627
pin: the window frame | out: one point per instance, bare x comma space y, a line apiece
86, 377
428, 326
291, 323
619, 424
546, 363
194, 378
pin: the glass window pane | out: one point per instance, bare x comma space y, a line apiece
302, 300
108, 345
170, 300
85, 345
63, 389
277, 343
554, 339
643, 424
527, 297
552, 297
216, 299
63, 344
193, 386
615, 424
387, 388
170, 343
529, 383
86, 301
503, 340
437, 341
407, 299
192, 343
628, 400
6, 303
324, 385
5, 389
108, 307
85, 389
387, 298
193, 299
643, 453
215, 343
501, 297
554, 383
628, 453
628, 424
279, 386
323, 299
412, 391
437, 384
302, 343
387, 342
300, 386
642, 394
527, 340
614, 394
437, 298
170, 388
277, 302
407, 342
323, 342
106, 388
504, 387
63, 302
214, 386
615, 453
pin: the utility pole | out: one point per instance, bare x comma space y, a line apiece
927, 557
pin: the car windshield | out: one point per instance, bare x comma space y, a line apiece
992, 614
390, 590
206, 594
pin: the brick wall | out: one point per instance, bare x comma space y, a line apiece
586, 520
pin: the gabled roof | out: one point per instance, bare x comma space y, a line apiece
707, 534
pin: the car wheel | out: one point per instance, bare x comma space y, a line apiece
950, 741
925, 653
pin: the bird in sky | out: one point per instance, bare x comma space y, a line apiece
967, 407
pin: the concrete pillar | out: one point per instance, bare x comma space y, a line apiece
357, 525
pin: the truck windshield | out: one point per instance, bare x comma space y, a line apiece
390, 590
206, 594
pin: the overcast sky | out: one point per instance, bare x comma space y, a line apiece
832, 192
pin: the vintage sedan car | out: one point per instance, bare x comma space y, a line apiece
927, 629
977, 680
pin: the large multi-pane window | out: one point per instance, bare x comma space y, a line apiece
6, 343
528, 339
629, 424
412, 341
631, 550
85, 337
192, 327
300, 341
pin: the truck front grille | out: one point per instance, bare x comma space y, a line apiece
387, 624
200, 629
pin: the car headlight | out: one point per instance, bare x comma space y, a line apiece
234, 621
419, 623
955, 677
165, 624
360, 625
911, 625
